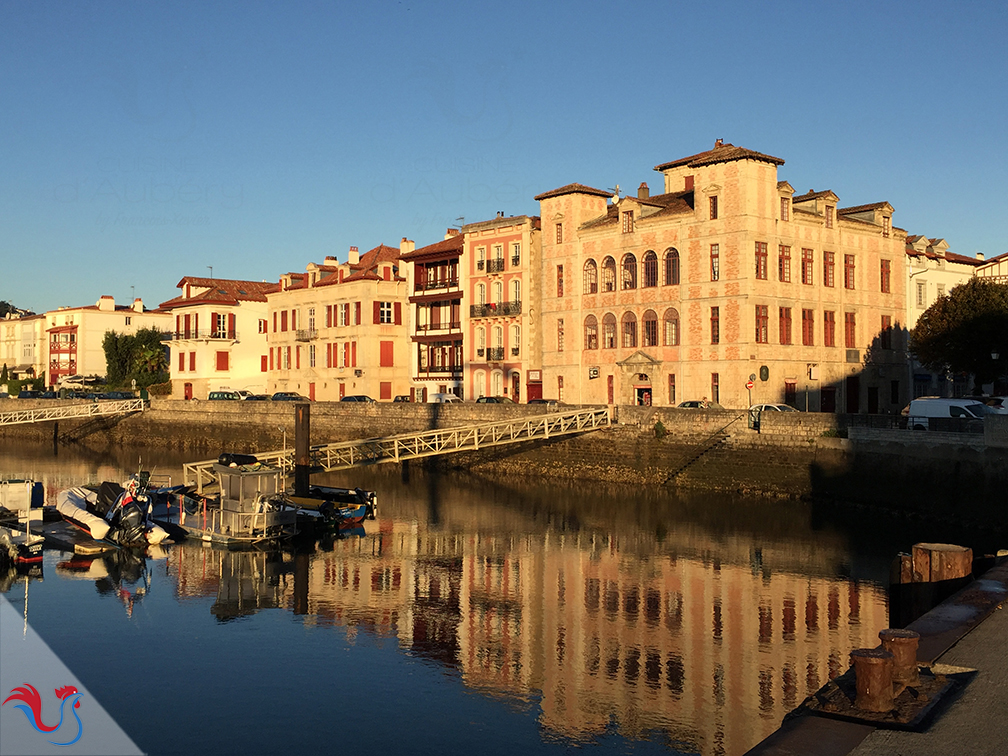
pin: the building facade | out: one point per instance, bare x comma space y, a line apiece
74, 335
995, 269
501, 272
339, 329
726, 279
218, 336
22, 345
435, 300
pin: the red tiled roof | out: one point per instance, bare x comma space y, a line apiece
811, 195
862, 208
451, 244
572, 189
364, 268
223, 290
722, 153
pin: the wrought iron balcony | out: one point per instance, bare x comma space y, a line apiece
203, 333
480, 352
491, 309
496, 265
480, 265
515, 261
515, 351
495, 354
437, 283
305, 334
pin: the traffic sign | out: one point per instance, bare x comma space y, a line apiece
749, 385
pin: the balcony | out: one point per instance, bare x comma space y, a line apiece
496, 265
480, 352
495, 354
515, 261
493, 309
425, 327
305, 334
440, 370
515, 351
434, 285
208, 333
480, 265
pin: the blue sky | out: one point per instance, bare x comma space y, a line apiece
146, 141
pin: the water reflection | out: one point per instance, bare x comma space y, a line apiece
698, 622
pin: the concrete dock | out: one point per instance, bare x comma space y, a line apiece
968, 630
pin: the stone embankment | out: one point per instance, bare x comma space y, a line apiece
826, 457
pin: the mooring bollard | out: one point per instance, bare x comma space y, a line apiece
873, 669
902, 644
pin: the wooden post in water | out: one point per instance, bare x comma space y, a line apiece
302, 443
55, 438
873, 669
921, 580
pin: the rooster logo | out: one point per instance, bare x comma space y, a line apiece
33, 709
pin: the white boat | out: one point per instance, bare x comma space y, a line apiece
111, 512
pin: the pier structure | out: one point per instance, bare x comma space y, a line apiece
431, 443
72, 411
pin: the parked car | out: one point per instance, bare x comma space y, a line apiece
920, 411
772, 408
289, 396
230, 396
402, 398
547, 402
494, 400
442, 399
28, 394
118, 395
699, 404
999, 404
257, 398
358, 398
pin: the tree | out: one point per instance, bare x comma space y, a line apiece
960, 331
4, 374
139, 357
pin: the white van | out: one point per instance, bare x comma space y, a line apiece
921, 410
442, 399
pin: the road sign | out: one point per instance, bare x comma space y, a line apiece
749, 385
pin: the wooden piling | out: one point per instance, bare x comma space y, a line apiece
902, 644
302, 444
873, 668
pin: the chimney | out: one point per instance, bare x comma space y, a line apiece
451, 232
719, 143
138, 305
330, 260
643, 192
106, 303
354, 257
406, 246
980, 255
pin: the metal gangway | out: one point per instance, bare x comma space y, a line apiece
71, 411
433, 443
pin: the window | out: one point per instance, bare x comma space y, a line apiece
311, 318
559, 233
629, 272
807, 261
591, 332
480, 258
807, 328
715, 325
850, 331
848, 271
311, 355
713, 207
829, 216
590, 277
481, 293
515, 340
785, 206
498, 292
192, 361
791, 393
181, 362
385, 312
516, 290
785, 325
262, 325
516, 253
885, 335
671, 389
609, 331
344, 314
715, 262
386, 353
829, 338
627, 218
650, 269
128, 320
671, 327
827, 268
762, 324
921, 293
886, 276
609, 274
560, 393
264, 364
560, 335
715, 388
222, 361
671, 267
784, 264
629, 330
761, 260
560, 288
283, 320
650, 328
886, 221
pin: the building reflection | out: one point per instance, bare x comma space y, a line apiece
661, 642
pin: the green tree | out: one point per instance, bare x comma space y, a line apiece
118, 357
4, 374
960, 331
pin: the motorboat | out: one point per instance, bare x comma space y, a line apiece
112, 512
18, 545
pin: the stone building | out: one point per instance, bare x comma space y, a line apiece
338, 329
219, 336
22, 342
501, 268
725, 277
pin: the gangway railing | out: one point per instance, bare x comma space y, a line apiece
433, 443
71, 411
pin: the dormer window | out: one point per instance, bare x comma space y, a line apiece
713, 207
886, 222
829, 216
627, 217
785, 208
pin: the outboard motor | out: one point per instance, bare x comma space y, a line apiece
128, 519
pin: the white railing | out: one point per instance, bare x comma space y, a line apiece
70, 411
406, 446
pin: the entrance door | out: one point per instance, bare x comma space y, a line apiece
853, 386
342, 390
612, 390
643, 396
188, 391
515, 386
873, 400
827, 399
533, 391
311, 391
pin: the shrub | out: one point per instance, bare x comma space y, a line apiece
160, 389
660, 431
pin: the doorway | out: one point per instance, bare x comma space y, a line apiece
515, 386
612, 391
643, 396
853, 387
873, 400
188, 391
311, 391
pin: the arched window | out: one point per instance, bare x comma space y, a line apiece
479, 384
650, 329
515, 340
498, 337
650, 269
481, 293
609, 331
516, 290
498, 292
609, 274
497, 383
480, 340
671, 327
671, 267
590, 277
591, 332
629, 330
629, 280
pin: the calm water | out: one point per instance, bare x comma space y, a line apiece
473, 616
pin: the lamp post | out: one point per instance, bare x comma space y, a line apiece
995, 356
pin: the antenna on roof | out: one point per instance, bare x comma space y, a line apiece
615, 196
211, 270
460, 221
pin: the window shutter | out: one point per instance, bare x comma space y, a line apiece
377, 312
357, 317
178, 320
397, 307
213, 324
328, 316
231, 325
353, 354
196, 323
297, 358
293, 320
